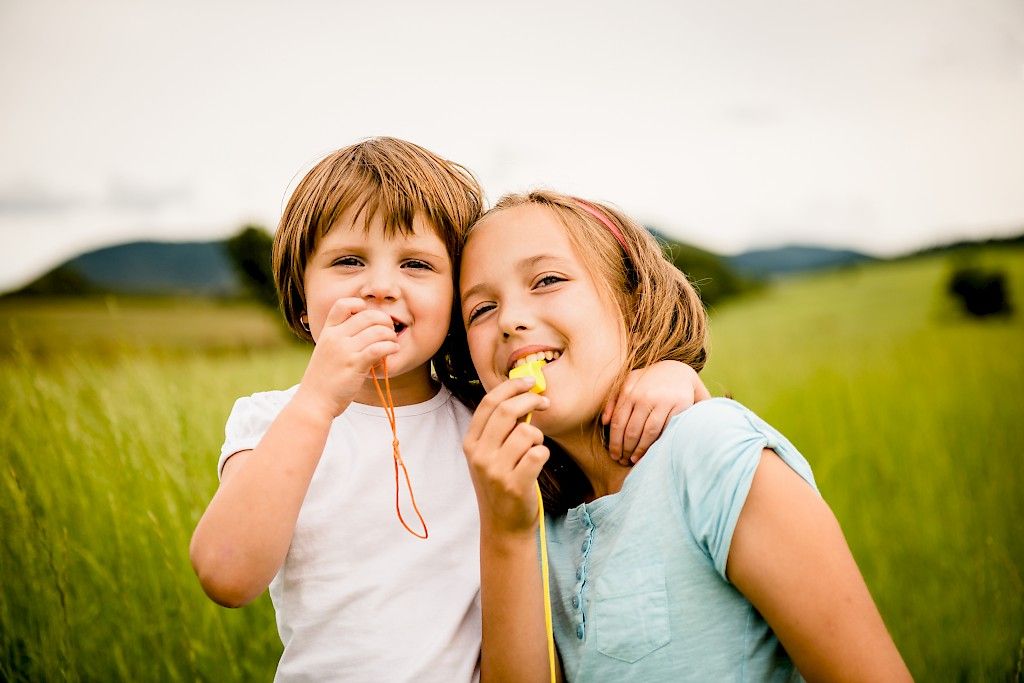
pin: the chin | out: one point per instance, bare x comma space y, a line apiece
555, 424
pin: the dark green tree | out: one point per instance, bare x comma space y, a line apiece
250, 253
980, 292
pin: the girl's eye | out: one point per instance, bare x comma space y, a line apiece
548, 280
346, 261
478, 311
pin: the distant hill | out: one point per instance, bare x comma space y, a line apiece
710, 273
205, 269
184, 268
766, 263
962, 244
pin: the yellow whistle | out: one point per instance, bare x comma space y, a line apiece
531, 369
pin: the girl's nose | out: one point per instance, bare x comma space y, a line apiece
514, 319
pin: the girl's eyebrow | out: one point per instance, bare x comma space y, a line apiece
472, 291
524, 265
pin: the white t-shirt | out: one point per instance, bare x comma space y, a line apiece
358, 597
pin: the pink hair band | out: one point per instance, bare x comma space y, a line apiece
605, 221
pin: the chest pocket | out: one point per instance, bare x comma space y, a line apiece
630, 613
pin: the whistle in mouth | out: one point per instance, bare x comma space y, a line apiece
531, 369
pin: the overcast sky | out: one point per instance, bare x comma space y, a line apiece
882, 125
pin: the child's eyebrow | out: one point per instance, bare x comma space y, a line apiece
416, 250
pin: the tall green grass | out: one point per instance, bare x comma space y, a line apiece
107, 466
913, 419
911, 415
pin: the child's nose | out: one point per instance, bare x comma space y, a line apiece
379, 285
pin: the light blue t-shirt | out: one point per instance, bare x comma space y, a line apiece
638, 577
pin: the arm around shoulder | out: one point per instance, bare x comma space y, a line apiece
788, 556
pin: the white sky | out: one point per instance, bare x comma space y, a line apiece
875, 124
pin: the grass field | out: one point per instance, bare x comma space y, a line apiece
911, 415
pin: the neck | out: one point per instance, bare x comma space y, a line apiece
584, 446
415, 386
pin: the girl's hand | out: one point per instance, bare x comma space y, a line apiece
506, 456
354, 338
649, 397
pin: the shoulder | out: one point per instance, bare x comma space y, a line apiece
720, 434
251, 417
712, 425
715, 449
263, 401
463, 414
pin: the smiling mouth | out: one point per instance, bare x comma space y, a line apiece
549, 356
399, 327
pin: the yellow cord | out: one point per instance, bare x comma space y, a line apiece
546, 579
547, 586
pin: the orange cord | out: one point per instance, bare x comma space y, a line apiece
389, 410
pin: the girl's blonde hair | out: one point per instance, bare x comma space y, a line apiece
660, 310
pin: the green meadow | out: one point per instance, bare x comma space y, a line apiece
911, 414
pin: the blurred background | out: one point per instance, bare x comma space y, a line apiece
844, 181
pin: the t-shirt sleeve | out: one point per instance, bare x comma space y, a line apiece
249, 420
716, 448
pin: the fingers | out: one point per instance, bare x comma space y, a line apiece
506, 418
528, 468
609, 409
374, 342
360, 330
343, 309
621, 414
494, 400
652, 429
503, 451
351, 315
634, 430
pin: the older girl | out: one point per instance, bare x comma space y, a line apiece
714, 558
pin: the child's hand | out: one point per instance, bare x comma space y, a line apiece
506, 456
649, 397
353, 339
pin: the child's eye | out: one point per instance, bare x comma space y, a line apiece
346, 261
548, 280
419, 265
478, 311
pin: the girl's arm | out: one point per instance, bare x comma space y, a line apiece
505, 457
788, 556
638, 414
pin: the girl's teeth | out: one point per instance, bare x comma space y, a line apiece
540, 355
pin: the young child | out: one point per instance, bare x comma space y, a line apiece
714, 558
371, 550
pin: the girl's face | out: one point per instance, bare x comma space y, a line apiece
525, 290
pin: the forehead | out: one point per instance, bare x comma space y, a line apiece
505, 237
354, 228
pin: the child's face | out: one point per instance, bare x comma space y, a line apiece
526, 290
407, 277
